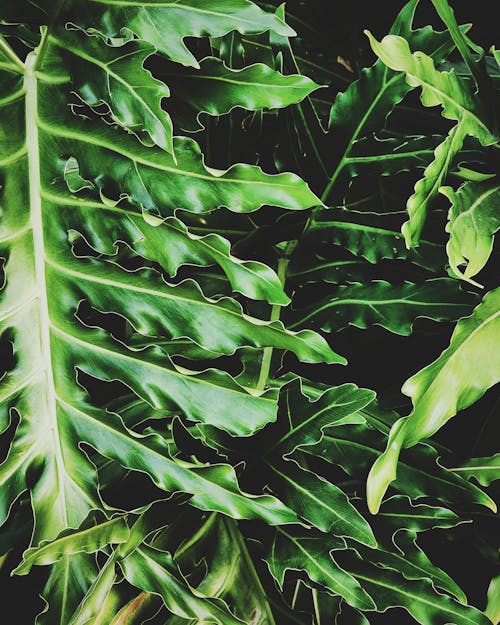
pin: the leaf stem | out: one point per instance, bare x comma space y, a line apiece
275, 315
11, 55
42, 46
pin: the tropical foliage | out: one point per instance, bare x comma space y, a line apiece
224, 246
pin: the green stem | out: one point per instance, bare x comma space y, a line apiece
11, 55
235, 534
42, 47
275, 315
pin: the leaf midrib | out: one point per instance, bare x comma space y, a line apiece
36, 218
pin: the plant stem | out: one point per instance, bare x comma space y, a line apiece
275, 315
42, 47
11, 55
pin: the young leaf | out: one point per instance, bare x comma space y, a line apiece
427, 187
493, 608
438, 88
301, 422
473, 221
451, 383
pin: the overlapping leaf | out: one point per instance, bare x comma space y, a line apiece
452, 382
394, 307
473, 221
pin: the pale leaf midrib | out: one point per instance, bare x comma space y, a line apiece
39, 262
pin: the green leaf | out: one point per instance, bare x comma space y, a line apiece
68, 582
301, 422
165, 24
355, 448
427, 187
157, 308
313, 554
230, 571
447, 14
412, 563
364, 106
366, 236
167, 242
438, 88
451, 383
116, 77
149, 177
318, 501
329, 271
493, 608
216, 89
473, 221
96, 595
394, 307
484, 470
386, 157
214, 488
417, 597
155, 571
89, 538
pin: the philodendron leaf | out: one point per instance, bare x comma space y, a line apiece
365, 236
301, 421
70, 180
454, 94
459, 103
418, 597
447, 14
484, 470
116, 77
169, 243
355, 449
161, 309
394, 307
411, 562
314, 554
318, 501
386, 157
165, 24
118, 166
364, 106
213, 487
89, 538
156, 572
426, 189
473, 220
493, 606
451, 383
145, 294
217, 89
